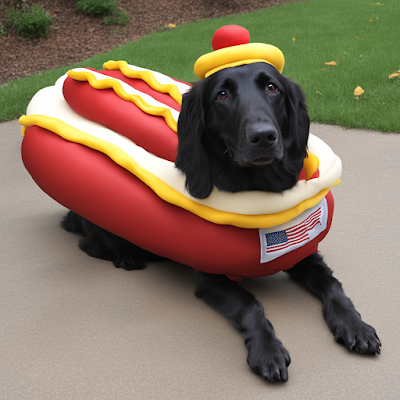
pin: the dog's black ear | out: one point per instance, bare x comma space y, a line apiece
192, 158
299, 122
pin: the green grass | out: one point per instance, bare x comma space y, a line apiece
365, 51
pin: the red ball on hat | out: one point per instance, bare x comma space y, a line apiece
230, 35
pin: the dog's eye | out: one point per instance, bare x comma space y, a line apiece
222, 95
271, 89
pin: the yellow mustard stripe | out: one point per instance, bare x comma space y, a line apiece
163, 190
146, 76
118, 89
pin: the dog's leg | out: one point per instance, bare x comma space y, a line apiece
72, 222
99, 243
343, 320
266, 355
102, 244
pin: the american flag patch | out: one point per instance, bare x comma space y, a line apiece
284, 238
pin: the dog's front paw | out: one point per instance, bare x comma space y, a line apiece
268, 358
358, 336
355, 334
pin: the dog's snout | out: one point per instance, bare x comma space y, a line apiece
262, 136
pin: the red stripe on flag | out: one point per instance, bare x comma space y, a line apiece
298, 233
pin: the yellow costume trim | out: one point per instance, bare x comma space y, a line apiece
241, 54
112, 83
146, 76
166, 192
234, 64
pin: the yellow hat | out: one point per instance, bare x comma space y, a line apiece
232, 47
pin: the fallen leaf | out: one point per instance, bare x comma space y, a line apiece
294, 39
391, 76
171, 25
331, 63
358, 91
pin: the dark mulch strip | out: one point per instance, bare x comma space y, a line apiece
76, 36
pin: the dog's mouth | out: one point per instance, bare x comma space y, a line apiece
248, 161
261, 161
248, 158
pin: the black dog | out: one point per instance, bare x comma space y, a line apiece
245, 128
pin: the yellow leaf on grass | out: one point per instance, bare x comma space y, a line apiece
358, 91
331, 63
391, 76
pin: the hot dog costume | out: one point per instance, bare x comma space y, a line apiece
103, 144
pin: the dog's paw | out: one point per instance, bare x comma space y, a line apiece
350, 330
358, 336
268, 358
128, 262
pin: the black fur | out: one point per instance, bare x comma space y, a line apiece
245, 128
98, 243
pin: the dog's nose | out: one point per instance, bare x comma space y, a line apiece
263, 136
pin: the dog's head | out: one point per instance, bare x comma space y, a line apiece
242, 128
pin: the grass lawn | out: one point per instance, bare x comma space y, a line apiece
360, 36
